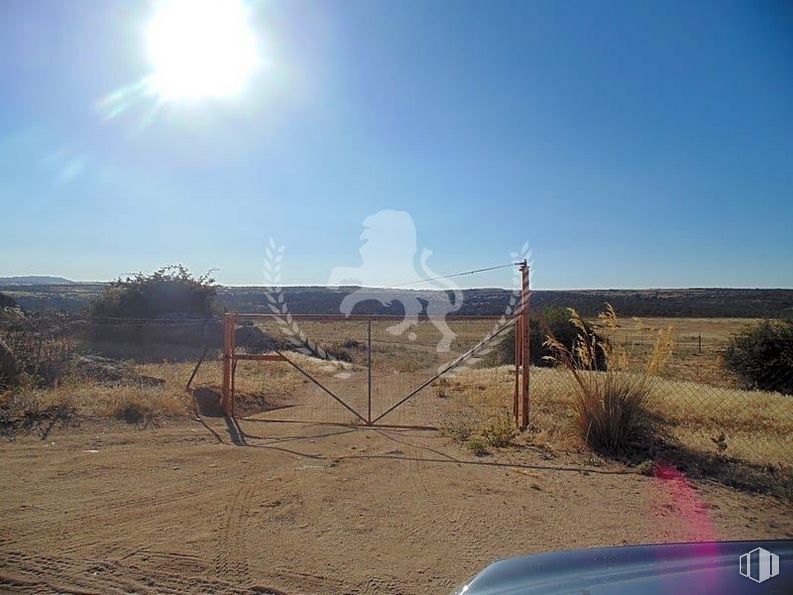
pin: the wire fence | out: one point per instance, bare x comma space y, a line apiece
380, 369
699, 405
384, 372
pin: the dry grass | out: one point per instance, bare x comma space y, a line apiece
610, 411
480, 402
461, 424
758, 426
138, 403
94, 400
688, 362
635, 335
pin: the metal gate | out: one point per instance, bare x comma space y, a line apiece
374, 370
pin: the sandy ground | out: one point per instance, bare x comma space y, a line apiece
309, 508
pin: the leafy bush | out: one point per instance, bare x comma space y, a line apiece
762, 356
171, 291
552, 321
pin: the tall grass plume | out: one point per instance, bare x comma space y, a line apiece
610, 408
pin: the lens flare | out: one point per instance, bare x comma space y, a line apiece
200, 49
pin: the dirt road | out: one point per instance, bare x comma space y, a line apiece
321, 509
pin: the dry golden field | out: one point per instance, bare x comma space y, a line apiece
758, 426
696, 397
688, 361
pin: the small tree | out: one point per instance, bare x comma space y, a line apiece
172, 290
762, 356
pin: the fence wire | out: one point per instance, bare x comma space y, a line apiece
700, 406
117, 367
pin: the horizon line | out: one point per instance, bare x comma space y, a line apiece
386, 288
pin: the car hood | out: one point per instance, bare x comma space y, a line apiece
707, 567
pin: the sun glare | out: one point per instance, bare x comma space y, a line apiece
201, 49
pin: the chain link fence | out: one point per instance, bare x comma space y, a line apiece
138, 369
699, 404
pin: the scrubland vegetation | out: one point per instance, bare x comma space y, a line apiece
619, 387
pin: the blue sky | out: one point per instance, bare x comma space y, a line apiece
632, 144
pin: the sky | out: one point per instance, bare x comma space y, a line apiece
630, 144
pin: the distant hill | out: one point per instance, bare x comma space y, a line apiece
697, 303
693, 303
56, 297
35, 280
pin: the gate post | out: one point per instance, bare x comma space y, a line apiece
228, 363
518, 360
369, 369
525, 344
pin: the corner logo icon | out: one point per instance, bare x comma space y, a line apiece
759, 565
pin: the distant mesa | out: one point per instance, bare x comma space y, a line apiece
36, 280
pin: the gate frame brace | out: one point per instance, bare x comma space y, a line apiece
231, 357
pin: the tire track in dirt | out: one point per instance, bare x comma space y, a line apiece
63, 574
88, 526
378, 585
93, 512
231, 558
307, 583
28, 573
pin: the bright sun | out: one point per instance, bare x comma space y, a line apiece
201, 49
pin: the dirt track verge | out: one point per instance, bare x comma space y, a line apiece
322, 509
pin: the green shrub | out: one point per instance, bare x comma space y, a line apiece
762, 356
552, 321
167, 307
500, 431
171, 291
477, 446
